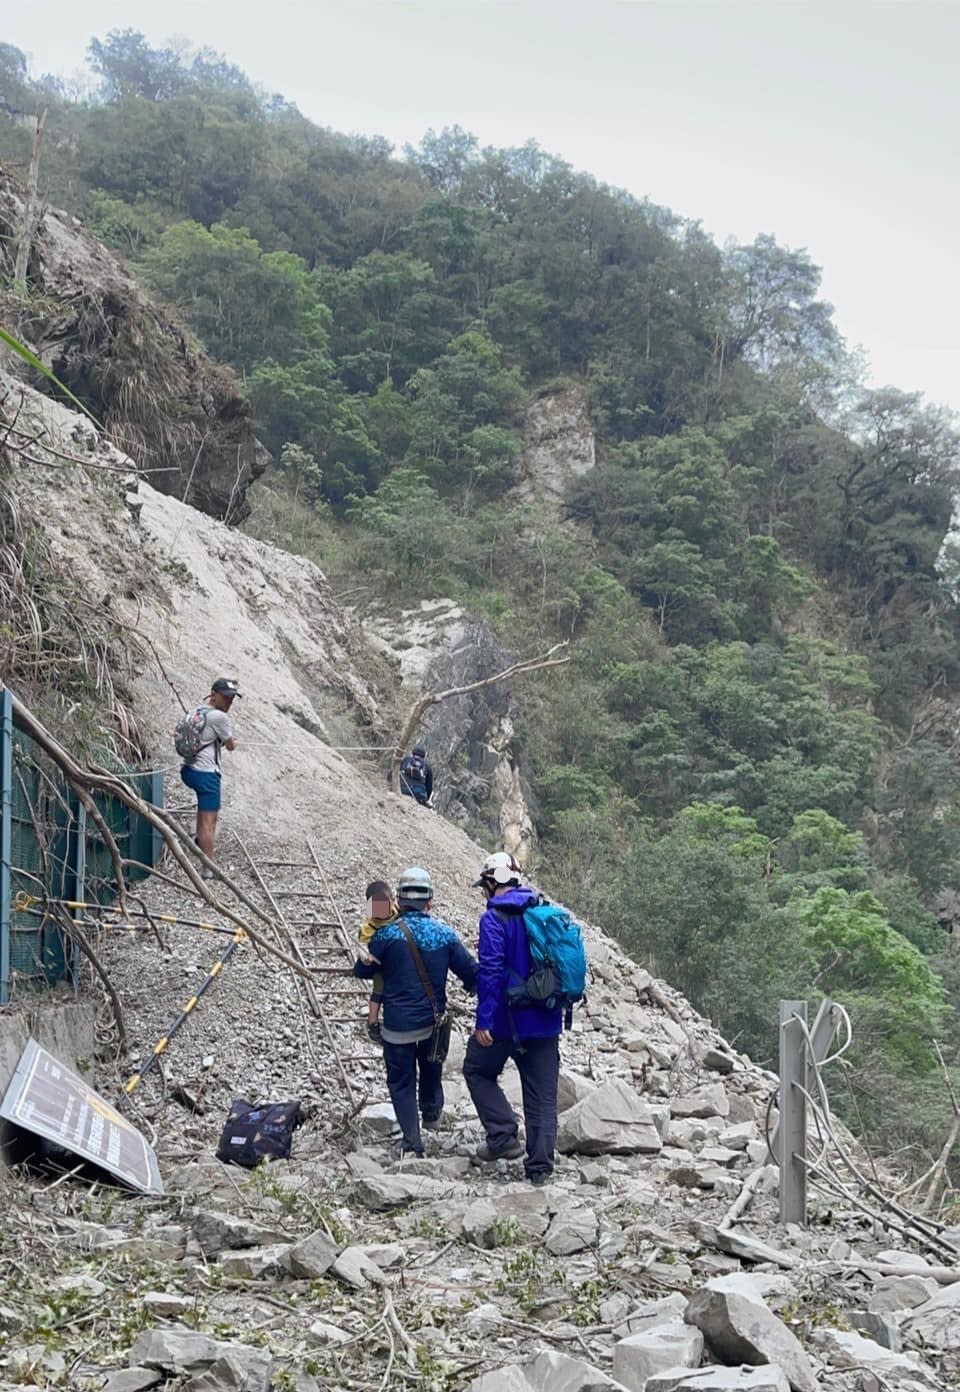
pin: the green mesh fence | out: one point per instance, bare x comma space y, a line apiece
55, 851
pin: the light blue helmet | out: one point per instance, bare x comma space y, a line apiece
415, 886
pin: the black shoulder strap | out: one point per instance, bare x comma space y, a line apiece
418, 962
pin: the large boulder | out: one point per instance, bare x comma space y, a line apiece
178, 1351
313, 1257
937, 1321
670, 1345
710, 1101
614, 1119
552, 1371
573, 1230
744, 1331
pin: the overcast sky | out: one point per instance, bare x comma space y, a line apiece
832, 126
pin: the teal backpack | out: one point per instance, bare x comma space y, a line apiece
558, 960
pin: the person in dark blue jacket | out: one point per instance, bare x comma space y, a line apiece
529, 1034
408, 1013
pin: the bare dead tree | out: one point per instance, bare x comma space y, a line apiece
433, 698
28, 223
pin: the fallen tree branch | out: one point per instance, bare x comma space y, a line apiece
751, 1186
433, 698
940, 1165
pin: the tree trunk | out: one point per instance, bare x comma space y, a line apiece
27, 226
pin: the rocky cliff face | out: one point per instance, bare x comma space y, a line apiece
559, 445
175, 412
469, 739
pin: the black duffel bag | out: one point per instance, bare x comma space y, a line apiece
258, 1132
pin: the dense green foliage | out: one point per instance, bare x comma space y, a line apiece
747, 770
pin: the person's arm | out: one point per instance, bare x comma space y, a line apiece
463, 963
491, 970
369, 963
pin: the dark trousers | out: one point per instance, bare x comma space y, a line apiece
538, 1063
404, 1062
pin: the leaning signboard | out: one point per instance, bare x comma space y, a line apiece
50, 1100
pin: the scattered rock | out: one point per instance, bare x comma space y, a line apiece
231, 1372
80, 1282
379, 1119
744, 1331
738, 1137
509, 1379
766, 1287
322, 1333
892, 1293
484, 1319
381, 1192
480, 1223
937, 1321
719, 1379
612, 1119
573, 1230
845, 1348
667, 1346
132, 1380
355, 1269
166, 1304
638, 1318
571, 1089
556, 1372
385, 1254
883, 1329
10, 1319
217, 1232
311, 1258
253, 1263
37, 1365
710, 1101
719, 1061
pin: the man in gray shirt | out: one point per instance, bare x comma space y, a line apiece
201, 773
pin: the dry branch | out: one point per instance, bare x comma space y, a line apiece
432, 698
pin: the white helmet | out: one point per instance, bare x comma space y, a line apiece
415, 884
502, 868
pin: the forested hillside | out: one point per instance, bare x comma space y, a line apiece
748, 768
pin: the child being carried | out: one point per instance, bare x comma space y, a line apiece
381, 910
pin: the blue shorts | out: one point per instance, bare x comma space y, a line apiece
205, 785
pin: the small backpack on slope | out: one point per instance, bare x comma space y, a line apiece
188, 733
256, 1132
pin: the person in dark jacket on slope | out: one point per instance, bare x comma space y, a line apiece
529, 1034
408, 1013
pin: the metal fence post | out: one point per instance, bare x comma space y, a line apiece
6, 819
793, 1113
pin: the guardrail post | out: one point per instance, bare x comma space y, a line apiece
6, 819
793, 1113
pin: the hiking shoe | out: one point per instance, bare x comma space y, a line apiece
539, 1180
431, 1123
511, 1151
406, 1150
373, 1032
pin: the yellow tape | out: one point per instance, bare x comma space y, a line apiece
190, 1004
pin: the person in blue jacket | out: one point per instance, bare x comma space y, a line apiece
529, 1034
408, 1013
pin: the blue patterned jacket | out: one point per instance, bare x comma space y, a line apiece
406, 1005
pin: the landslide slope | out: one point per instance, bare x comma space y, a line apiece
462, 1270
